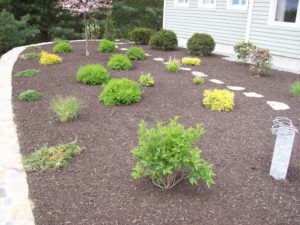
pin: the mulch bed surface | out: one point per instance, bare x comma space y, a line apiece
96, 188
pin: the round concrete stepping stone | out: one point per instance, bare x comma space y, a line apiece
158, 59
278, 105
235, 88
120, 43
199, 74
185, 68
216, 81
124, 49
147, 54
253, 95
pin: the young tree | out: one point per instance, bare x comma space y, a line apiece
85, 7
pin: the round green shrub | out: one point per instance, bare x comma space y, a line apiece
201, 44
120, 92
107, 46
164, 40
119, 62
29, 95
62, 47
141, 35
136, 53
92, 74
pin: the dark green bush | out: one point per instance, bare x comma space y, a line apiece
136, 53
141, 35
27, 73
201, 44
164, 40
119, 62
120, 92
29, 95
62, 47
92, 74
107, 46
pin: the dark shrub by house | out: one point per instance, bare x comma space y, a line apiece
141, 35
119, 62
120, 92
92, 74
136, 53
164, 40
201, 44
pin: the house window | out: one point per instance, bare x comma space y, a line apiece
285, 12
182, 3
237, 4
207, 4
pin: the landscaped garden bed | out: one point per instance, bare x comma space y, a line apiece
97, 187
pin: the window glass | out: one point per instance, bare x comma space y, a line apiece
286, 10
207, 2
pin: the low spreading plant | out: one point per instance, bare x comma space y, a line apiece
62, 46
201, 44
141, 35
51, 158
107, 46
173, 66
92, 74
165, 154
33, 48
295, 88
29, 95
164, 40
29, 56
66, 109
219, 100
136, 53
48, 58
120, 92
119, 62
244, 50
27, 73
262, 61
198, 80
146, 80
189, 61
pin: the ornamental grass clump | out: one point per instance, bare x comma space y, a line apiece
198, 80
190, 61
51, 158
29, 56
66, 109
119, 62
29, 95
92, 74
49, 59
136, 53
295, 88
62, 46
165, 154
107, 46
146, 80
27, 73
173, 66
120, 92
219, 100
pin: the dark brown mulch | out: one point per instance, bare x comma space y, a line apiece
97, 187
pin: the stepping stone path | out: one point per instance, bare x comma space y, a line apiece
185, 68
253, 95
158, 59
235, 88
278, 105
147, 54
216, 81
199, 74
124, 49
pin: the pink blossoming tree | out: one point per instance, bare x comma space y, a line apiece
85, 7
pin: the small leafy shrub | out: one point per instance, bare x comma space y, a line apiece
295, 88
201, 44
120, 92
166, 155
119, 62
136, 53
66, 109
29, 56
219, 100
107, 46
27, 73
261, 59
146, 80
164, 40
62, 47
173, 66
141, 35
189, 61
48, 58
198, 80
51, 158
93, 74
29, 95
244, 50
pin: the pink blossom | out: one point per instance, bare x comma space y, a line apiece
85, 6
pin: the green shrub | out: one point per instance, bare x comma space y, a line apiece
33, 48
141, 35
164, 40
198, 80
29, 56
51, 158
166, 155
92, 74
27, 73
120, 92
62, 47
136, 53
173, 66
201, 44
146, 80
244, 50
29, 95
261, 61
119, 62
66, 109
295, 88
107, 46
219, 100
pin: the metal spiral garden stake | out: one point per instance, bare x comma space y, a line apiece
285, 132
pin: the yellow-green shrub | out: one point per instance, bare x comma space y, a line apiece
219, 100
191, 61
48, 58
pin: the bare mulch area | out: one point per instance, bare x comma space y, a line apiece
96, 188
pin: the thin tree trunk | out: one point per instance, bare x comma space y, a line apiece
86, 36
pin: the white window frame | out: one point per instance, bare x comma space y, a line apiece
181, 5
272, 14
237, 7
207, 6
